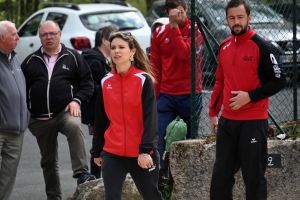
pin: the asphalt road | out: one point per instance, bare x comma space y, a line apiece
30, 182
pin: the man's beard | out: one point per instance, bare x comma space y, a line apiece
244, 30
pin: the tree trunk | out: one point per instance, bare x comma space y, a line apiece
8, 9
22, 12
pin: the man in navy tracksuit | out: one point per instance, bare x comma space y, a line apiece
247, 74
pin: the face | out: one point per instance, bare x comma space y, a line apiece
238, 20
180, 12
120, 52
50, 36
10, 40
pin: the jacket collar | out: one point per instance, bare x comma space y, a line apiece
12, 55
94, 53
131, 71
186, 23
62, 51
246, 36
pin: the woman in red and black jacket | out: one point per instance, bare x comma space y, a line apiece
126, 129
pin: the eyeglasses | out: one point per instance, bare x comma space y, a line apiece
123, 33
126, 33
51, 34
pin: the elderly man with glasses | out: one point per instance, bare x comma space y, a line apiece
58, 80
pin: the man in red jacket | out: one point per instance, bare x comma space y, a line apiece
247, 74
170, 57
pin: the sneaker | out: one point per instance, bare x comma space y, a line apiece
84, 177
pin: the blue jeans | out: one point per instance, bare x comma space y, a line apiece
168, 108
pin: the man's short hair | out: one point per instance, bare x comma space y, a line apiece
237, 3
3, 27
104, 33
56, 24
170, 4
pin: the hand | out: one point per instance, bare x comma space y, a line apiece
213, 124
74, 108
145, 161
98, 161
176, 17
239, 100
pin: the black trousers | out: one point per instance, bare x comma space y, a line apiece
115, 169
240, 144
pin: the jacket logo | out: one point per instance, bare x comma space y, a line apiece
253, 140
184, 37
227, 45
277, 70
65, 67
109, 86
167, 40
246, 58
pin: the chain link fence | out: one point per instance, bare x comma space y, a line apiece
276, 22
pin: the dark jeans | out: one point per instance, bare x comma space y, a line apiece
168, 108
115, 169
240, 144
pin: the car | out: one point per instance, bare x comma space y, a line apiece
286, 10
157, 10
79, 22
266, 22
120, 2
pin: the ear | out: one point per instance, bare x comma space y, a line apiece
2, 37
249, 18
186, 8
103, 41
133, 51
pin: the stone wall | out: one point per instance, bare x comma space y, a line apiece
192, 163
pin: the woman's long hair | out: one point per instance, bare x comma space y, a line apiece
141, 60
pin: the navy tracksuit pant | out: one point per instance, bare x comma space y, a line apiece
168, 108
115, 169
95, 169
240, 144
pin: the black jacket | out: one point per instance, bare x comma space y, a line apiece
99, 67
71, 80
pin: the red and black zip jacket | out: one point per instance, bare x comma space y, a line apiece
246, 63
126, 115
171, 57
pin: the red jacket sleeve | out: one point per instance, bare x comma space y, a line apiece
155, 61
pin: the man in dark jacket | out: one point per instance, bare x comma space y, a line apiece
58, 80
98, 59
14, 116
